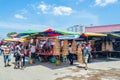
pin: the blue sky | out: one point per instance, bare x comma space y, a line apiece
21, 15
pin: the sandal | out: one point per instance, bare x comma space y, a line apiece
86, 68
15, 67
21, 68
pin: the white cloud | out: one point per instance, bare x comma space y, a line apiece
52, 9
104, 2
18, 16
43, 7
62, 10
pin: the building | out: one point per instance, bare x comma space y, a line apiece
76, 28
115, 28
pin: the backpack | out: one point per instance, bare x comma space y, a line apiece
16, 53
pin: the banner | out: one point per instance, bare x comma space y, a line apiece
69, 37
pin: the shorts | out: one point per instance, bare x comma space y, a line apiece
85, 58
7, 58
18, 58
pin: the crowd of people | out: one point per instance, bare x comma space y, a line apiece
21, 50
17, 51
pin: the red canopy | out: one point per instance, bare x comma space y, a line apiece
49, 30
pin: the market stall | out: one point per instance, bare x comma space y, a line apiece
97, 42
54, 38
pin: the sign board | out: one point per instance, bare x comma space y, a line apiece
69, 37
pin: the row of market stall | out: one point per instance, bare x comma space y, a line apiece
56, 42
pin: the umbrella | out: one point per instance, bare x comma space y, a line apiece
11, 40
24, 40
66, 32
28, 32
113, 35
14, 35
95, 34
52, 32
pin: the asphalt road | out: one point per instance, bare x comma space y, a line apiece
49, 71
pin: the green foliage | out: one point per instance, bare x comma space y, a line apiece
10, 33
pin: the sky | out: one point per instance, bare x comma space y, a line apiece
21, 15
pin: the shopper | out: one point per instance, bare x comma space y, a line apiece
33, 52
7, 55
90, 49
18, 57
2, 49
23, 55
85, 55
70, 56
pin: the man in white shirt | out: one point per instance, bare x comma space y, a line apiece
32, 51
70, 56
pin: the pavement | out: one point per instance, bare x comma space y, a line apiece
49, 71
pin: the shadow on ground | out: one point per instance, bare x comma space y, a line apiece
49, 64
104, 60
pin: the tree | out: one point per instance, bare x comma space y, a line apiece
10, 33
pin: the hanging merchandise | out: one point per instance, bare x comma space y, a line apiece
65, 48
56, 47
107, 46
111, 47
103, 46
74, 47
79, 54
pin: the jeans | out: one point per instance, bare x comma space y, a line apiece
71, 61
23, 60
89, 60
6, 58
70, 56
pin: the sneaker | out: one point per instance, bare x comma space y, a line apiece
15, 67
5, 66
86, 68
8, 65
21, 68
24, 67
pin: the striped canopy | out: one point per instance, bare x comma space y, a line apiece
52, 32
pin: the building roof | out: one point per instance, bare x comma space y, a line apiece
103, 29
